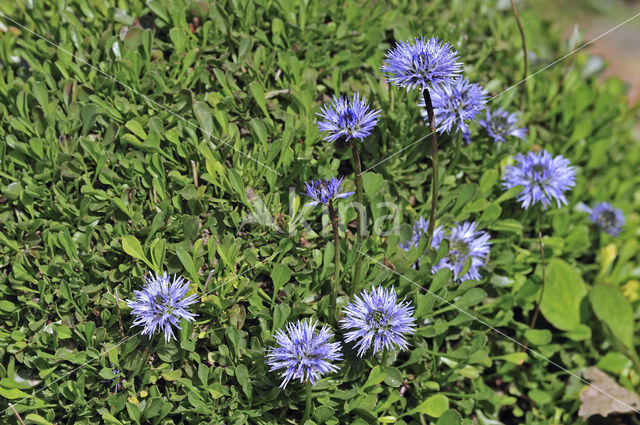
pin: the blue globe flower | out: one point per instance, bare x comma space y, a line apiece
161, 304
303, 352
421, 227
420, 64
607, 218
345, 120
500, 124
543, 176
454, 104
465, 242
324, 191
376, 319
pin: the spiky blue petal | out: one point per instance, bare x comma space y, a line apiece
543, 176
324, 191
465, 242
376, 319
421, 63
454, 104
161, 304
500, 124
344, 120
608, 218
303, 352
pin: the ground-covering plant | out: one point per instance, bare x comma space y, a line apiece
180, 243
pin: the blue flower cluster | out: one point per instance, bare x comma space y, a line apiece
161, 304
456, 103
374, 319
468, 247
324, 191
344, 120
543, 177
303, 352
421, 63
608, 218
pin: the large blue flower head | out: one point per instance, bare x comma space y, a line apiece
607, 218
376, 319
420, 227
500, 124
420, 64
324, 191
303, 352
454, 104
161, 304
543, 176
344, 120
465, 242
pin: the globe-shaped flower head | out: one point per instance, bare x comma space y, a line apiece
376, 319
607, 218
456, 103
344, 120
303, 352
465, 242
324, 191
421, 227
161, 304
543, 176
420, 64
500, 124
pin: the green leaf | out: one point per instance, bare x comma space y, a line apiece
376, 376
563, 293
205, 120
434, 406
538, 336
258, 95
450, 417
136, 128
614, 310
279, 275
33, 418
189, 266
132, 246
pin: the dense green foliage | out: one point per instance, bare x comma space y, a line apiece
98, 188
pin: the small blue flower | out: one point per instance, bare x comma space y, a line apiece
420, 227
420, 64
345, 120
376, 319
464, 242
303, 352
324, 191
544, 177
500, 124
161, 304
454, 104
607, 218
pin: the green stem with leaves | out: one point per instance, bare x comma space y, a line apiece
335, 279
308, 403
434, 161
526, 61
544, 272
361, 217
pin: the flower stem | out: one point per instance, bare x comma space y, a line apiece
434, 160
307, 405
335, 279
544, 270
361, 217
524, 51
